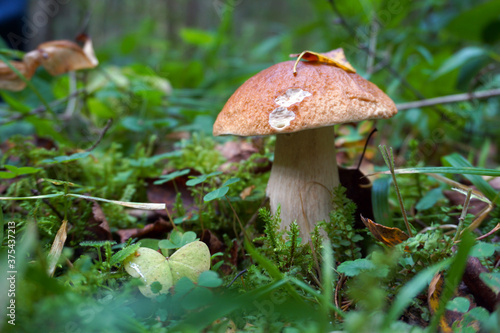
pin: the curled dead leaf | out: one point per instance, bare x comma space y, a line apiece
334, 57
246, 192
388, 236
57, 247
433, 296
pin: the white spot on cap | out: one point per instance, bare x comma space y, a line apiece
280, 118
292, 96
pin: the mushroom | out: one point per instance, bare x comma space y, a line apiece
301, 109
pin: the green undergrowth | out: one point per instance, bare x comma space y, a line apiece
138, 129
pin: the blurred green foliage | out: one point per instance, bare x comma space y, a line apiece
163, 82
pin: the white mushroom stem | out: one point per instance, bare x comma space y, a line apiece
303, 175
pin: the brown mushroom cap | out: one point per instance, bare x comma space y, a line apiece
322, 95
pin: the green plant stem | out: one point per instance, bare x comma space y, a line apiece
389, 160
98, 249
327, 282
238, 219
461, 219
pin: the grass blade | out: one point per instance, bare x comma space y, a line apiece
456, 160
454, 170
380, 201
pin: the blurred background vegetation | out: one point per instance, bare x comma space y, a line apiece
206, 49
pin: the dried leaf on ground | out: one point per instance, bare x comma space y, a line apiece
433, 296
388, 236
246, 192
167, 192
237, 151
158, 229
57, 247
98, 224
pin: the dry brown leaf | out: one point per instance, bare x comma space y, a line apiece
157, 229
167, 193
61, 56
98, 224
335, 58
57, 247
433, 295
388, 236
246, 192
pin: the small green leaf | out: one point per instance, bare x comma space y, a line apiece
7, 175
197, 36
27, 170
20, 171
156, 287
188, 237
209, 279
201, 179
482, 250
121, 255
492, 280
166, 244
197, 298
183, 286
231, 181
64, 158
216, 194
171, 176
458, 304
430, 199
177, 240
353, 268
459, 59
479, 313
11, 168
96, 243
175, 237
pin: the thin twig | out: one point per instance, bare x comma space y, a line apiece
101, 136
449, 99
389, 160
